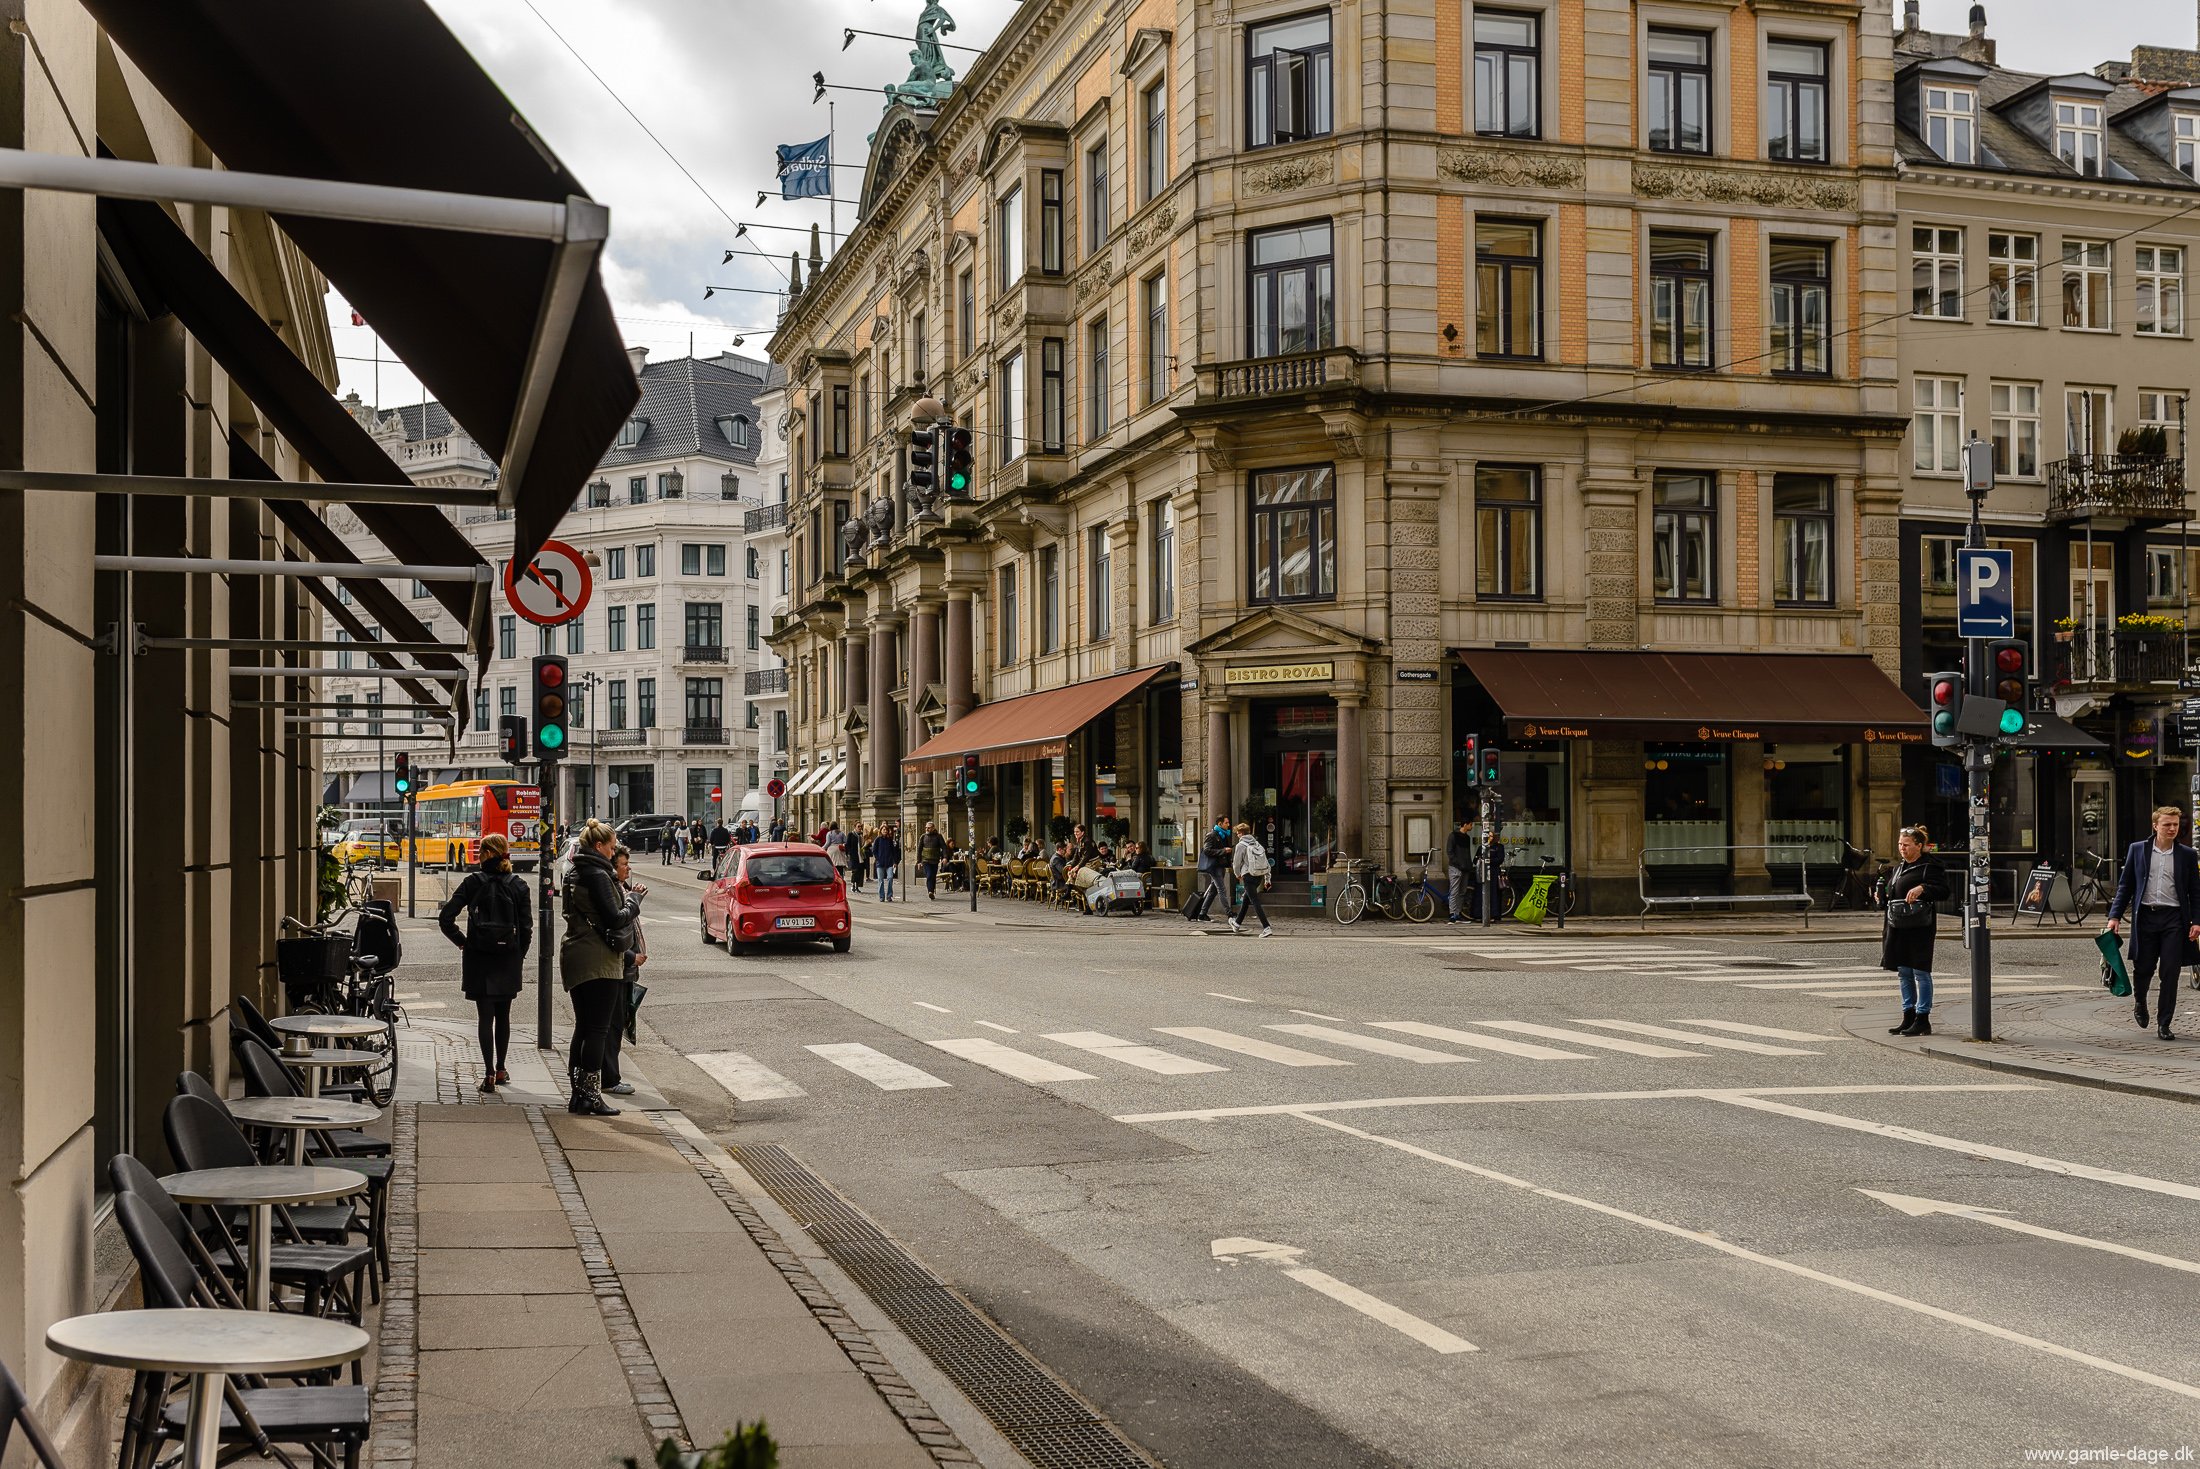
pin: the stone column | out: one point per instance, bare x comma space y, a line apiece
1351, 777
855, 689
1607, 823
885, 719
961, 693
1746, 821
1217, 793
924, 658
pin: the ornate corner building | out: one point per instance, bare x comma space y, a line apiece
1349, 381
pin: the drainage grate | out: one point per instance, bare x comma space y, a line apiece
1046, 1422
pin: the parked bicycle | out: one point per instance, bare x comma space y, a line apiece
326, 970
1367, 886
2090, 889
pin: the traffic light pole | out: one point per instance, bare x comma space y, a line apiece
412, 855
970, 824
1486, 880
1978, 756
547, 863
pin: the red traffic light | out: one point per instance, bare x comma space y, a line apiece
1945, 691
550, 675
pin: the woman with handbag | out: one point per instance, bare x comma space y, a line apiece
622, 1014
599, 929
1906, 945
495, 942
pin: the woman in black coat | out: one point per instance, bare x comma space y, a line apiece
1917, 878
495, 968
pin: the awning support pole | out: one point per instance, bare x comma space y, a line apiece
318, 671
243, 489
587, 226
332, 570
297, 645
384, 709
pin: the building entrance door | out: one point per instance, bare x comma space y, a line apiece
633, 790
1294, 769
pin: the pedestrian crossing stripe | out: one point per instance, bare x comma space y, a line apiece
877, 1068
1606, 1042
1008, 1060
1146, 1058
745, 1078
1636, 1027
1450, 1036
1245, 1045
1397, 1050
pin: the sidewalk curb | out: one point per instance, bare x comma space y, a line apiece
1972, 1053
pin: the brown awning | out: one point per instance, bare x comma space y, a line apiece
1031, 727
1560, 695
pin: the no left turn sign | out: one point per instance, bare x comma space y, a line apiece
551, 589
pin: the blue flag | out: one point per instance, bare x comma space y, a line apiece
806, 169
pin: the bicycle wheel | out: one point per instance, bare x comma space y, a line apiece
1419, 906
2083, 901
1506, 900
1351, 903
380, 1079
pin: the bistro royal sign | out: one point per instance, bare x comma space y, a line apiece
1280, 673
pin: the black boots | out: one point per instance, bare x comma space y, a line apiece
1914, 1022
588, 1096
1909, 1018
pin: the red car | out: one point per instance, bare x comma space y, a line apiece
776, 892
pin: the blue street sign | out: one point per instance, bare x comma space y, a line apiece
1985, 593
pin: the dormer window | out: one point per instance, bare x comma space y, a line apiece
2078, 136
1951, 123
734, 428
630, 432
2186, 127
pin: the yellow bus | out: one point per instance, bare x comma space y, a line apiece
449, 821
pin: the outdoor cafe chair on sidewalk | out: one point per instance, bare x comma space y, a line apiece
15, 1412
326, 1275
318, 1417
349, 1142
201, 1135
264, 1076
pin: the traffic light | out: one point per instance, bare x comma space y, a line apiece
2008, 665
1489, 765
512, 738
1944, 703
923, 462
1474, 760
550, 710
970, 776
962, 465
403, 776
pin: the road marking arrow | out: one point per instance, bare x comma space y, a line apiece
1435, 1338
1918, 1208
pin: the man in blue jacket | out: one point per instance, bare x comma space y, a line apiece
2160, 889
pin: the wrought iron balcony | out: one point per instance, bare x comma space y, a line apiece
763, 518
2122, 658
703, 653
703, 734
764, 681
613, 737
2116, 487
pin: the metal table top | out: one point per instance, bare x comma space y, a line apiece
332, 1025
329, 1057
200, 1341
269, 1185
310, 1113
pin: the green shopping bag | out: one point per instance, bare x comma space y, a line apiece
2113, 973
1536, 901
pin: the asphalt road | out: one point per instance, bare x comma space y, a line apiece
1471, 1224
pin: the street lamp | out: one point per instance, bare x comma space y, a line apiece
589, 681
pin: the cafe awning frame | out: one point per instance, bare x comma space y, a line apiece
803, 780
1568, 694
1028, 726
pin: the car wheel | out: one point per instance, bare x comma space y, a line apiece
704, 916
840, 945
739, 948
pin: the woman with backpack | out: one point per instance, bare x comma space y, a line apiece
495, 941
1249, 864
599, 930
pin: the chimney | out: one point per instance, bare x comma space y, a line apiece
1909, 16
1977, 48
635, 357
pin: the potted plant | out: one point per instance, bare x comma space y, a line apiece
1060, 828
1018, 828
747, 1446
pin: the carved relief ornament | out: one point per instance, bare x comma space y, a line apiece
1735, 186
1153, 228
1285, 174
1511, 169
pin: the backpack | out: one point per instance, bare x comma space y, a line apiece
492, 927
1256, 860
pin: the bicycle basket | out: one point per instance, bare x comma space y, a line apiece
306, 965
376, 934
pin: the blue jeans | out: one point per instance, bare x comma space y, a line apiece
1917, 989
886, 884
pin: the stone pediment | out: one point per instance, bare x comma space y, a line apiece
1281, 630
854, 722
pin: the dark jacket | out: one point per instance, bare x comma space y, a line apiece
931, 847
1214, 851
594, 902
2132, 885
1911, 948
1459, 850
885, 851
721, 837
490, 976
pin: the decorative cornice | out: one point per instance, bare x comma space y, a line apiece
1513, 169
1285, 174
1797, 190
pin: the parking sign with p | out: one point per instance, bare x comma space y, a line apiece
1985, 592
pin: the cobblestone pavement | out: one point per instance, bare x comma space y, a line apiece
2091, 1041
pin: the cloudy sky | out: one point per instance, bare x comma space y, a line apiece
721, 82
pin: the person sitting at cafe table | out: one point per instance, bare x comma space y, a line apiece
1141, 860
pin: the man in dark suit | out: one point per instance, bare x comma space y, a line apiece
2160, 889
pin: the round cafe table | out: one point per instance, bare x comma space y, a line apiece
206, 1346
310, 1064
259, 1190
299, 1032
301, 1115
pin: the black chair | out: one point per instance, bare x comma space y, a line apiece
254, 1021
266, 1077
325, 1275
15, 1412
259, 1417
201, 1134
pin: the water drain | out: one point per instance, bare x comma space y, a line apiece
1046, 1422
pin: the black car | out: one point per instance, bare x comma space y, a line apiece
646, 833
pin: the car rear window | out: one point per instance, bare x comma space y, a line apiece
790, 869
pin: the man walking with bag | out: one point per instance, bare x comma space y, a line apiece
2160, 889
1459, 863
1214, 866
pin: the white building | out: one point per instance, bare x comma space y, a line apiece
661, 660
766, 527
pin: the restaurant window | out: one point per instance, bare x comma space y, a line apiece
1795, 86
1163, 578
1806, 804
1099, 583
1050, 395
1050, 221
2016, 424
1507, 73
1680, 91
1294, 534
1802, 539
1936, 272
1508, 532
1096, 196
2087, 282
1685, 797
1802, 307
615, 630
1292, 288
1680, 300
1008, 238
2013, 278
1012, 407
1096, 380
1684, 537
1287, 76
2161, 308
1951, 123
966, 314
1050, 598
1005, 635
1508, 285
1936, 426
1153, 119
2078, 136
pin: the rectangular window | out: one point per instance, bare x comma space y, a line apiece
507, 700
1051, 407
1292, 289
2157, 409
1951, 123
1680, 300
1012, 408
1802, 306
507, 636
645, 703
2013, 278
618, 703
691, 559
714, 560
420, 589
1287, 80
343, 658
670, 485
637, 490
2016, 420
966, 314
1050, 221
615, 630
2186, 127
599, 494
863, 409
1005, 635
1507, 73
576, 636
481, 706
1008, 238
1508, 532
2078, 136
1937, 428
1508, 285
1097, 386
1802, 539
755, 629
1684, 537
1099, 585
645, 559
2087, 283
1680, 91
2161, 310
1163, 576
1096, 197
1936, 272
1050, 598
1795, 84
645, 626
1293, 526
2089, 421
750, 562
1156, 385
840, 421
1153, 119
920, 350
614, 563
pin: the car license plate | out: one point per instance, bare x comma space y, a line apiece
795, 923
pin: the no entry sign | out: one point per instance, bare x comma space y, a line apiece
551, 589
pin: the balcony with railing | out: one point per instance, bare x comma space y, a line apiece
764, 681
703, 734
763, 518
1271, 377
2116, 658
613, 738
2120, 487
703, 653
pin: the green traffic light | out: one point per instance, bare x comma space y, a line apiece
551, 736
1944, 723
2012, 721
958, 482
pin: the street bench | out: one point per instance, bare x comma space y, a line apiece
1787, 856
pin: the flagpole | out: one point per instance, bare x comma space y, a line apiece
832, 209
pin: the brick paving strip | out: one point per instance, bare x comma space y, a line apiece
396, 1405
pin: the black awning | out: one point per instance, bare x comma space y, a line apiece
1563, 693
2047, 730
380, 92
